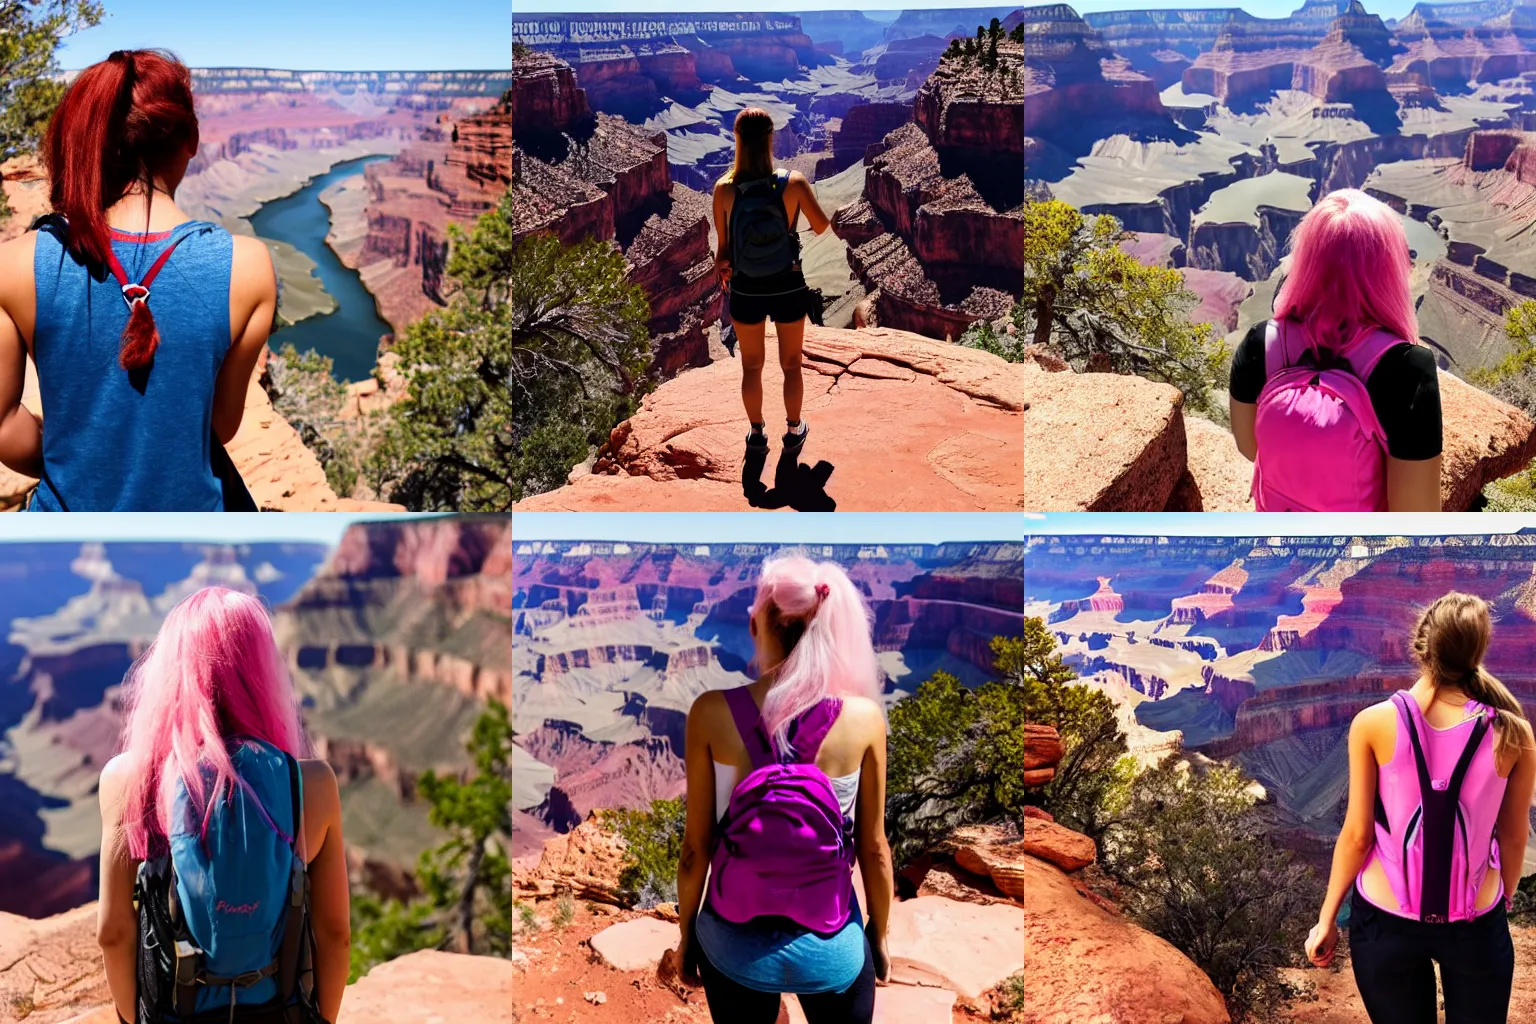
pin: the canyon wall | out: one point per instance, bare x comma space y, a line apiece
585, 175
940, 194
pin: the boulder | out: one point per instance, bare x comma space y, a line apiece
1042, 747
988, 851
1100, 442
907, 422
635, 945
1219, 474
965, 947
1484, 440
431, 987
1061, 846
1085, 964
586, 860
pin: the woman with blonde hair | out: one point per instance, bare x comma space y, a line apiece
1433, 842
1333, 400
786, 792
758, 261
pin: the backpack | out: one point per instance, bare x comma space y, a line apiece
1320, 446
784, 847
1437, 861
762, 243
224, 925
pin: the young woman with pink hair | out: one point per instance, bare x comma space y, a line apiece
209, 706
1334, 400
786, 791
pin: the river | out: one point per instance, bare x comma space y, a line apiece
350, 334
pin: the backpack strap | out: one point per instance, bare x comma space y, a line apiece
287, 962
749, 724
137, 292
811, 727
1402, 700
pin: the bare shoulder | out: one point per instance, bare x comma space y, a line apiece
867, 714
253, 263
707, 706
798, 178
320, 785
1375, 719
114, 775
16, 256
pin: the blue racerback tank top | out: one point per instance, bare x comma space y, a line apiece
119, 442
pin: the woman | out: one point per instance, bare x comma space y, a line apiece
141, 365
212, 722
1333, 400
758, 260
1437, 775
789, 921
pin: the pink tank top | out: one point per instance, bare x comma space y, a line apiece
1437, 802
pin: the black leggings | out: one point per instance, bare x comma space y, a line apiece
730, 1003
1394, 959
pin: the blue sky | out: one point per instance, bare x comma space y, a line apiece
715, 6
1266, 524
723, 527
226, 528
307, 35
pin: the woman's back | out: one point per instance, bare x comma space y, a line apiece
119, 439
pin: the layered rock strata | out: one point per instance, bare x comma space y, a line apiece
864, 125
939, 230
583, 175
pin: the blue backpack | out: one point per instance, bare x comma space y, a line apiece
762, 243
224, 928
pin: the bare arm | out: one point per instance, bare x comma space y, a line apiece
21, 436
1355, 838
1514, 824
330, 903
252, 306
117, 925
1243, 415
699, 827
874, 851
722, 234
805, 200
1413, 486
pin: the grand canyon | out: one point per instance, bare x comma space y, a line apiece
395, 638
614, 641
1262, 649
1209, 132
622, 124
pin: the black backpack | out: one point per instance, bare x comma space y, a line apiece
170, 967
762, 242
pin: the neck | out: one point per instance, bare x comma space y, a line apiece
144, 209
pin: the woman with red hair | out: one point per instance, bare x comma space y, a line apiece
1334, 400
138, 392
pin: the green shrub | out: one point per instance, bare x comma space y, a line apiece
565, 912
385, 929
653, 841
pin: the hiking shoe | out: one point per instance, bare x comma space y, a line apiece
757, 440
794, 440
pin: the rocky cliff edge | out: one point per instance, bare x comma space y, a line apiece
907, 422
1106, 442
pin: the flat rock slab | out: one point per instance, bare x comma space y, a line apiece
964, 947
1061, 846
1085, 964
432, 987
908, 423
1221, 476
1100, 442
894, 1004
635, 945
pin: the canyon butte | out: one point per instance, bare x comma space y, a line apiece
395, 639
1209, 132
622, 124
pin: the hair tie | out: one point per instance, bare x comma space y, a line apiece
822, 590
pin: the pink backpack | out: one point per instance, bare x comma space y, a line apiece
1321, 447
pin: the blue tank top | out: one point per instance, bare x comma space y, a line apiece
119, 442
777, 955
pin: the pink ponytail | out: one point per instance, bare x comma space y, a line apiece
822, 615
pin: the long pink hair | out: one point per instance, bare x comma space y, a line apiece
213, 673
825, 625
1350, 267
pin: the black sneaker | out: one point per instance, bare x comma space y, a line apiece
794, 440
757, 440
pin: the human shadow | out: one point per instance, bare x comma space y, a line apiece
795, 485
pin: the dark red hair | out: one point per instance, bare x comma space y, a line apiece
122, 121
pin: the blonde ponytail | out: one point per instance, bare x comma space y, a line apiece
1450, 640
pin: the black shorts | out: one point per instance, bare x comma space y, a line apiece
784, 298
